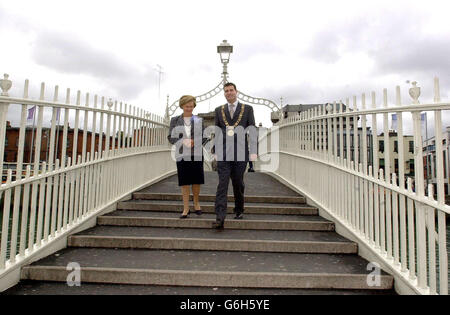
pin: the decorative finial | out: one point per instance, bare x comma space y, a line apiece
5, 85
414, 92
329, 108
110, 103
437, 95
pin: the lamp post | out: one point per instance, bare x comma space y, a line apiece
225, 50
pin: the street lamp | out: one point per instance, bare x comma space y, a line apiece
225, 50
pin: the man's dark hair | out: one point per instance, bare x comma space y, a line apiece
230, 84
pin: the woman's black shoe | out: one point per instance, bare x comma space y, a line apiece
198, 212
184, 216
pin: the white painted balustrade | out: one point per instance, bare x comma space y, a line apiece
400, 220
122, 148
320, 153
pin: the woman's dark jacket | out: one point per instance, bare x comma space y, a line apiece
177, 133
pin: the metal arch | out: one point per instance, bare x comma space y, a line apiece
241, 96
261, 101
206, 96
258, 101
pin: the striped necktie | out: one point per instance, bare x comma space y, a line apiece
231, 110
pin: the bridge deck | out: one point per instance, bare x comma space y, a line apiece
281, 246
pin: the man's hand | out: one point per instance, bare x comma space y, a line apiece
253, 157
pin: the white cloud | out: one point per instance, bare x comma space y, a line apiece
70, 55
307, 52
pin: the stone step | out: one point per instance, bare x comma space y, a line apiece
209, 269
249, 222
208, 207
27, 287
210, 244
212, 240
256, 184
248, 199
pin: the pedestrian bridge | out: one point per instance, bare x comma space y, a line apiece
93, 191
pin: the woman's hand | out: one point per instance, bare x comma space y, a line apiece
188, 143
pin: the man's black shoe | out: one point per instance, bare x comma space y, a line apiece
239, 216
218, 225
251, 170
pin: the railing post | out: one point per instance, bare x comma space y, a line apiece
5, 85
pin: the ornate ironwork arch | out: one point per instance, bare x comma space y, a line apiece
203, 97
258, 101
241, 96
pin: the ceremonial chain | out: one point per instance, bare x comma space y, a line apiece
230, 131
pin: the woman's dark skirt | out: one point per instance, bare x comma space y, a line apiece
190, 173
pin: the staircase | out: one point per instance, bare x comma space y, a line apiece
281, 246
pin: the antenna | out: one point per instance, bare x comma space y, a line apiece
160, 72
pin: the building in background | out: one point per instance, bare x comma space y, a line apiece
292, 110
11, 150
429, 160
392, 146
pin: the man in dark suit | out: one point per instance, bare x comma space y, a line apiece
233, 150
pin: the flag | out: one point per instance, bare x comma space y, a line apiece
423, 117
394, 122
423, 120
423, 124
31, 113
58, 111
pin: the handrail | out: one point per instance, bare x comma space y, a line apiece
26, 101
330, 156
394, 109
428, 200
111, 152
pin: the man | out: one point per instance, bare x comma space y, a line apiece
233, 121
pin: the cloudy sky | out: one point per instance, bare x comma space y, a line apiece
304, 51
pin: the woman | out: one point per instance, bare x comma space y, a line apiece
186, 132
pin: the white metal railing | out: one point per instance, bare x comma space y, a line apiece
389, 212
127, 149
